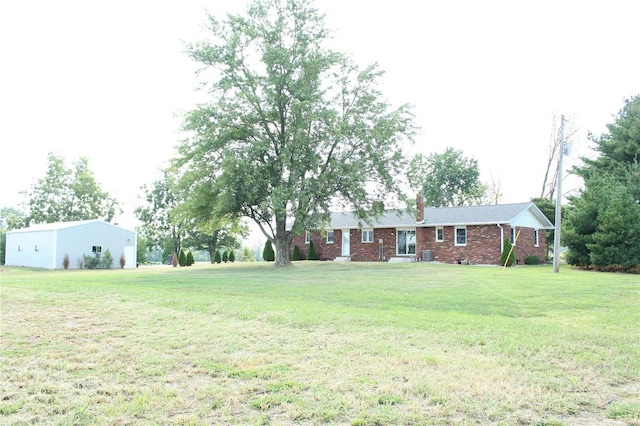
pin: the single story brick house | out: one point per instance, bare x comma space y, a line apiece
472, 234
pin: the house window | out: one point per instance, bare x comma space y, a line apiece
37, 248
406, 242
307, 237
439, 234
536, 237
330, 237
96, 249
461, 236
513, 236
367, 235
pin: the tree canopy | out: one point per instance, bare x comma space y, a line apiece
64, 194
603, 223
291, 128
447, 180
172, 218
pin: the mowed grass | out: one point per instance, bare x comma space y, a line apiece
320, 343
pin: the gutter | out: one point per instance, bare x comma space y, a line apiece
501, 238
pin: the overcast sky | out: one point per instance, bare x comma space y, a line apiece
108, 80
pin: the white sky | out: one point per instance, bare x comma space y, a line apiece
107, 80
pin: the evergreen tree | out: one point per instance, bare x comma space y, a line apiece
267, 253
217, 258
311, 252
190, 259
232, 256
182, 258
225, 256
603, 223
508, 256
296, 255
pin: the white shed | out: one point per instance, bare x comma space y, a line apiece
46, 245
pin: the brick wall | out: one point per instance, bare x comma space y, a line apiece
483, 244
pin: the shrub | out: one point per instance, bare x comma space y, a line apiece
247, 255
296, 253
174, 259
217, 258
123, 261
182, 258
190, 258
225, 256
107, 260
232, 256
532, 260
508, 257
65, 261
92, 262
268, 254
311, 252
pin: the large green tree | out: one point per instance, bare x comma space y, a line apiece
292, 128
446, 180
603, 223
158, 200
64, 194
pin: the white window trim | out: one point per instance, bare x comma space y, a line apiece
307, 237
333, 234
536, 236
466, 237
439, 228
367, 230
513, 235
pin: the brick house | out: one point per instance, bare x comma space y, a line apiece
447, 234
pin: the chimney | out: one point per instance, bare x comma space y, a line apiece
420, 207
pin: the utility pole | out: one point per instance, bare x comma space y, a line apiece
558, 221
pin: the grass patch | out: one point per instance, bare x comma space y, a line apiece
319, 343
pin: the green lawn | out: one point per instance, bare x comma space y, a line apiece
320, 343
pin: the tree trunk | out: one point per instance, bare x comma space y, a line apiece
282, 242
213, 244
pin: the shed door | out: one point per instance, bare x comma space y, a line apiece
130, 256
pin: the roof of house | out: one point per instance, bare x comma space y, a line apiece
59, 225
515, 214
389, 219
482, 215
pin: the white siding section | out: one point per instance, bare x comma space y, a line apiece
27, 254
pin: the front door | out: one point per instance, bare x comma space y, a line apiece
346, 242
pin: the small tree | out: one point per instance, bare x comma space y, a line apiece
182, 258
232, 256
225, 256
174, 259
247, 255
123, 261
311, 252
508, 257
190, 259
65, 262
107, 261
268, 254
296, 255
217, 258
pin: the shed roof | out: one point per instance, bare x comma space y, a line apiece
59, 225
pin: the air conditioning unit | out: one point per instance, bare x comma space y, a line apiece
427, 256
